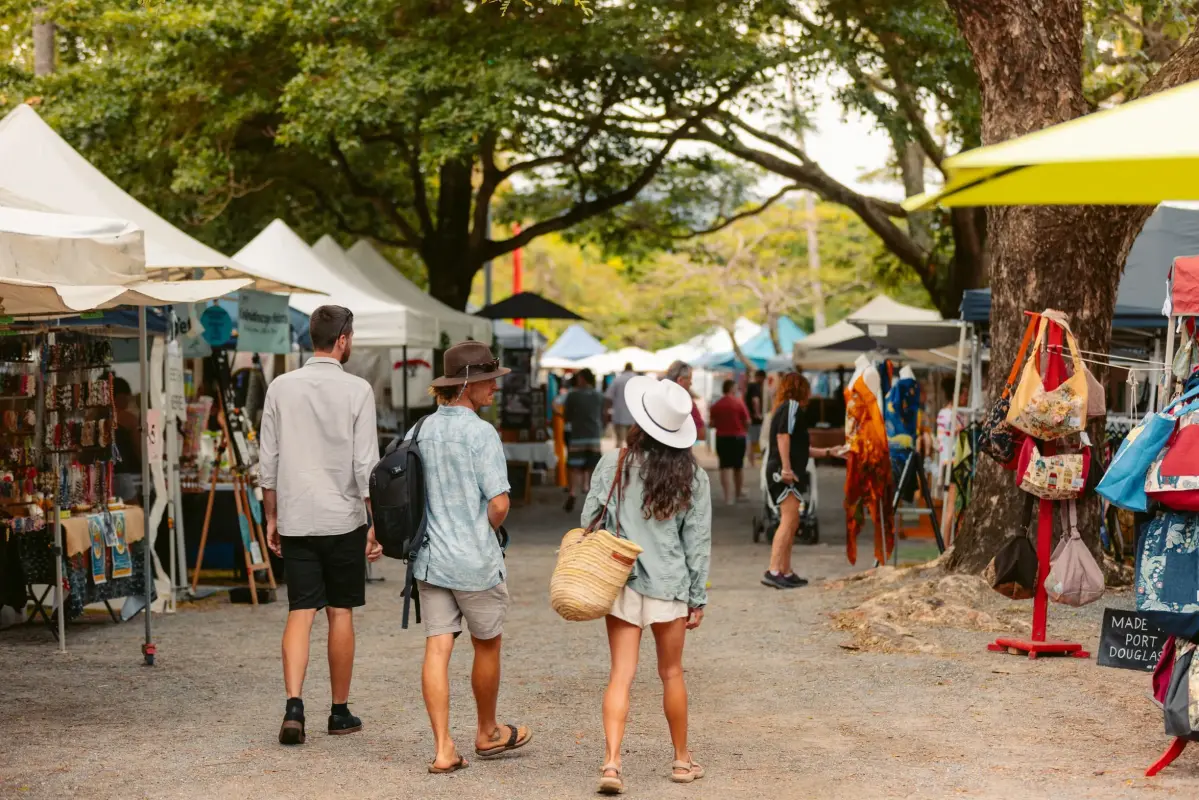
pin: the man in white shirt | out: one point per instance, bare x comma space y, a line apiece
317, 448
618, 409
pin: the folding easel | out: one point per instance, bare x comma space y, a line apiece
922, 482
241, 498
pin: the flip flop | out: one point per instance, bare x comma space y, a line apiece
513, 743
461, 763
610, 785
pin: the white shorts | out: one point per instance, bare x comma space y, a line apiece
637, 609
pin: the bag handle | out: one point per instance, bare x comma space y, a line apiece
599, 516
1069, 520
1191, 395
1019, 362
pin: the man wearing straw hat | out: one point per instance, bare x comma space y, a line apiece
460, 571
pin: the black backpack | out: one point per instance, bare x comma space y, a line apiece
397, 489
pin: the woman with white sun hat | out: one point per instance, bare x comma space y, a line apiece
663, 503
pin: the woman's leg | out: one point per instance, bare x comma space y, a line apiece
784, 537
726, 477
669, 638
624, 640
739, 482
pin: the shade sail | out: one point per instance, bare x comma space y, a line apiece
527, 305
368, 267
278, 252
1143, 152
574, 343
39, 165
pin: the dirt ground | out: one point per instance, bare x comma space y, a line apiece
780, 704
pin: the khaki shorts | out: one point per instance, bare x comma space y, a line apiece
443, 610
637, 609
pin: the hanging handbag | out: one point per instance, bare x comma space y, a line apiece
1055, 413
1124, 482
1096, 395
1013, 570
999, 440
1173, 478
1074, 578
593, 565
1058, 477
1168, 567
1181, 709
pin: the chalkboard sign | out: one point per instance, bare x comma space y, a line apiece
1128, 641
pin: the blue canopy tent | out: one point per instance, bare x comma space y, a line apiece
759, 349
574, 344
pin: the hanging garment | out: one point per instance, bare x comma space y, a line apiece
868, 482
901, 414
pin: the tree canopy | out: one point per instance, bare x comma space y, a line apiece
400, 120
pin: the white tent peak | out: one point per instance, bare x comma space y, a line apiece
40, 166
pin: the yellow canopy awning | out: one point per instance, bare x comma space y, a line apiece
1141, 153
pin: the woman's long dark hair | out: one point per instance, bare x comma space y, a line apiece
666, 474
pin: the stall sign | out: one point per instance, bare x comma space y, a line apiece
1128, 641
262, 323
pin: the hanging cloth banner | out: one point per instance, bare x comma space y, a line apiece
191, 331
262, 323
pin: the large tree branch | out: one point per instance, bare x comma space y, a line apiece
420, 195
325, 202
876, 214
382, 204
751, 212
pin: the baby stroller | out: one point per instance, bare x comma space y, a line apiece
765, 524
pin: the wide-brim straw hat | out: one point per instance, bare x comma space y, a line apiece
469, 362
662, 409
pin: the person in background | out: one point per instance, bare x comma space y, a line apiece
583, 410
680, 372
561, 434
787, 474
316, 452
754, 400
730, 419
128, 472
460, 571
665, 507
948, 429
617, 408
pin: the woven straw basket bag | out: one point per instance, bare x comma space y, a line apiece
593, 565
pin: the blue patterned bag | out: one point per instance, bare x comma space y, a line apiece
1168, 564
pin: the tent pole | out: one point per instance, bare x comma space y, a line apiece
59, 553
143, 422
946, 469
404, 375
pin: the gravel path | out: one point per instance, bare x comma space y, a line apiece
778, 707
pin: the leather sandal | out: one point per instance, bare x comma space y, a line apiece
611, 784
515, 742
457, 765
693, 771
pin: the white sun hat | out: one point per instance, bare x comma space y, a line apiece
662, 409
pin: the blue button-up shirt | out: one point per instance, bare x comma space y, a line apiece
464, 469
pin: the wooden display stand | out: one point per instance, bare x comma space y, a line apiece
241, 498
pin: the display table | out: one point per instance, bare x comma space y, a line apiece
75, 529
532, 453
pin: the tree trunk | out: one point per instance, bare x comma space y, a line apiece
44, 46
772, 324
817, 286
1028, 55
449, 259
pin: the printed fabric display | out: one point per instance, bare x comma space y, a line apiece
1168, 564
1052, 414
868, 481
902, 418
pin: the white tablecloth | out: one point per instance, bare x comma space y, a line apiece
533, 452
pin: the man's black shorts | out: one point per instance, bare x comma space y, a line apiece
325, 570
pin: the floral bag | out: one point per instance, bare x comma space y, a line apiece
1056, 477
1052, 414
998, 439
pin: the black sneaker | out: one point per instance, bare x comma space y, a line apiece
795, 580
777, 581
341, 724
292, 731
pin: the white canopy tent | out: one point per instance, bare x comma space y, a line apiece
277, 252
838, 345
716, 340
376, 272
59, 249
614, 361
40, 167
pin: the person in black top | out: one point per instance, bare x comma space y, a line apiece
787, 475
128, 471
754, 399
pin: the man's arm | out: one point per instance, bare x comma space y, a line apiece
492, 469
497, 510
268, 472
366, 455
